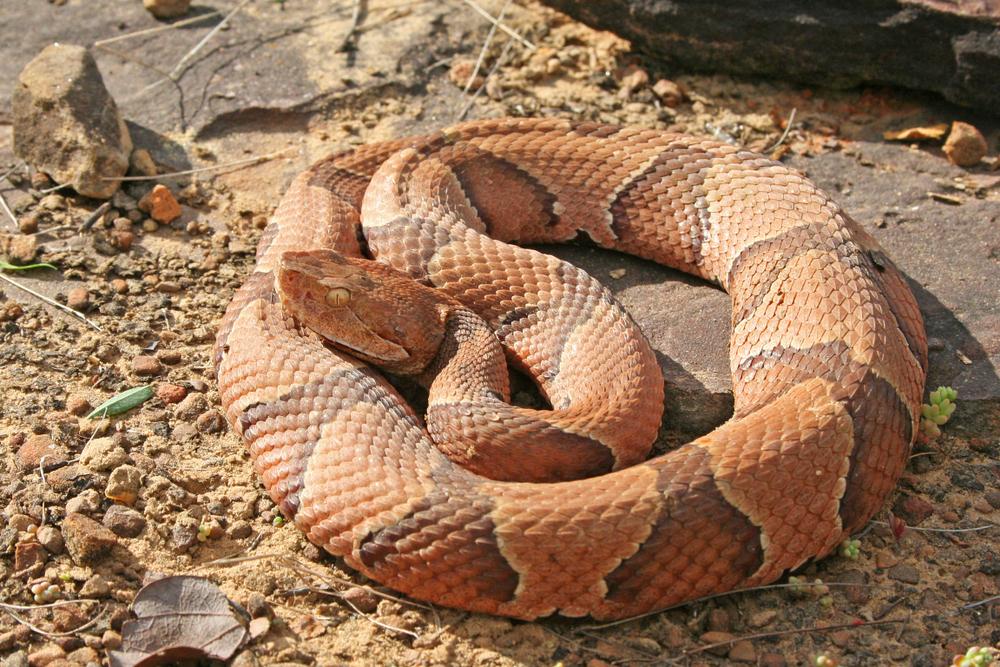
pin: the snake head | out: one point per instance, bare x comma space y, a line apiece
365, 308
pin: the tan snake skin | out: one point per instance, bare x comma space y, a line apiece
828, 356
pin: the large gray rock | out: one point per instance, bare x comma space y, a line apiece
67, 125
952, 48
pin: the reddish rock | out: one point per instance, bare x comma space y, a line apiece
30, 454
912, 510
361, 599
743, 651
119, 286
160, 204
79, 406
171, 393
145, 365
211, 422
722, 638
122, 240
86, 540
30, 558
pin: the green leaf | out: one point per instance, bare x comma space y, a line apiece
7, 266
123, 401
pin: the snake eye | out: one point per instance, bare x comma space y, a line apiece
338, 297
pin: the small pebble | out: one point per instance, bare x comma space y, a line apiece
79, 406
119, 286
211, 422
170, 357
85, 503
171, 393
160, 204
122, 240
45, 655
50, 538
78, 299
141, 162
123, 484
52, 202
168, 287
149, 226
86, 540
95, 588
28, 224
166, 9
111, 640
145, 365
965, 145
669, 92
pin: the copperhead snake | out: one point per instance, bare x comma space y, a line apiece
828, 356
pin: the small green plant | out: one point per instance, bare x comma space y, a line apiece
204, 532
850, 549
278, 521
941, 407
977, 656
44, 591
824, 660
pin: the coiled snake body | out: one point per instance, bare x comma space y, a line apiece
828, 356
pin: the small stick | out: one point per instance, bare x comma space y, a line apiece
51, 302
355, 15
486, 45
95, 216
210, 35
175, 174
784, 135
149, 31
54, 188
496, 66
6, 208
507, 30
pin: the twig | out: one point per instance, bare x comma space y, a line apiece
54, 188
496, 66
980, 603
17, 617
833, 584
486, 46
149, 31
175, 174
945, 530
95, 216
784, 135
794, 631
11, 171
6, 208
355, 14
190, 54
51, 302
512, 33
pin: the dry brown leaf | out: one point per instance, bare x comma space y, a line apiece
178, 618
932, 133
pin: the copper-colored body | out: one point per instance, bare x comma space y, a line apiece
828, 356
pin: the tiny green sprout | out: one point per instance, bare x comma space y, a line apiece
935, 414
823, 660
827, 602
66, 576
850, 549
977, 656
819, 588
278, 521
797, 587
204, 531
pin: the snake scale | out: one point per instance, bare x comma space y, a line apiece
828, 357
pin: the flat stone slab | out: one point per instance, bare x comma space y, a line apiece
952, 48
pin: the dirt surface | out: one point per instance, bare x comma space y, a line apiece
906, 600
